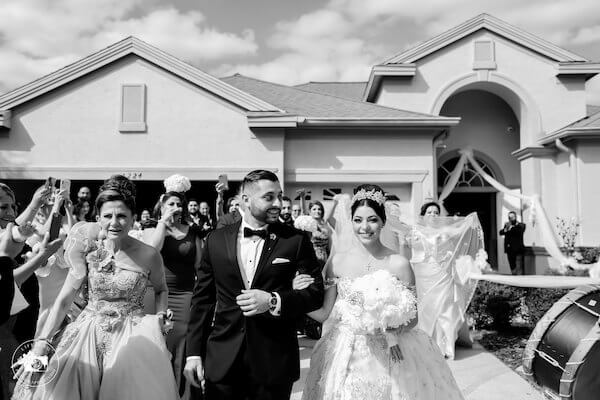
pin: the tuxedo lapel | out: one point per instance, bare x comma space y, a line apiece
270, 243
231, 243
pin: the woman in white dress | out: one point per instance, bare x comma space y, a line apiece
350, 363
444, 289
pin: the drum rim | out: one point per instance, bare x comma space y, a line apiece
548, 319
567, 380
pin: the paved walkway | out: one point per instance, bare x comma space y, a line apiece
479, 374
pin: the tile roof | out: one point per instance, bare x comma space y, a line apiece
591, 121
591, 109
346, 90
317, 105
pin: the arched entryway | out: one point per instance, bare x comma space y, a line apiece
491, 127
473, 194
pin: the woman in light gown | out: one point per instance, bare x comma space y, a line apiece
112, 350
351, 365
443, 290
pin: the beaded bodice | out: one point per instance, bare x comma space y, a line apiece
120, 285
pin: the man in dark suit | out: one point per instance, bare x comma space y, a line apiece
251, 350
513, 243
286, 211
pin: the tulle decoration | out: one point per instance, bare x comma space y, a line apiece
177, 183
306, 223
379, 302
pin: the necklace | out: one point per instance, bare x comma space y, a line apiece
369, 261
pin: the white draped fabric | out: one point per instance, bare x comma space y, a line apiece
538, 216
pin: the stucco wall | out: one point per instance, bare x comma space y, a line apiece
559, 102
484, 121
399, 161
589, 173
75, 129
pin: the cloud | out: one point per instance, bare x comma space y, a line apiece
182, 35
40, 36
345, 38
322, 45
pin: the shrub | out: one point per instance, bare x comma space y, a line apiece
494, 305
539, 301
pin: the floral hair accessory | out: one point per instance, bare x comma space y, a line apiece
374, 195
177, 183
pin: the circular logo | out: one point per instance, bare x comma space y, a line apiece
32, 367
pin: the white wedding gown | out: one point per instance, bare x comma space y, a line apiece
349, 365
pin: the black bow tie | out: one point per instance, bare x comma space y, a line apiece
262, 233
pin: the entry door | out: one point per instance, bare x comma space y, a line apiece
484, 204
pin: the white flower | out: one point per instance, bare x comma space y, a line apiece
306, 223
377, 302
177, 183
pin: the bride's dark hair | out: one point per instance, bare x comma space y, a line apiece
117, 188
378, 208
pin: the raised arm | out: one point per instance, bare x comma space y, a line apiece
77, 246
329, 215
41, 195
40, 257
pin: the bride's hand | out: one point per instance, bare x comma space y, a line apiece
302, 281
396, 353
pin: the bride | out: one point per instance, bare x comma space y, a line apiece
350, 363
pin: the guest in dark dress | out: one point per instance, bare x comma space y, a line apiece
180, 245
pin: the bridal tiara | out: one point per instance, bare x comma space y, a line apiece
374, 195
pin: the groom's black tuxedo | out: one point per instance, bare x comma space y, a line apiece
268, 342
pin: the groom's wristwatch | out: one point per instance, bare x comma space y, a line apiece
273, 302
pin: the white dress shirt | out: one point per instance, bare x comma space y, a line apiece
249, 250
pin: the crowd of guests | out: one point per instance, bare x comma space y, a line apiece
33, 267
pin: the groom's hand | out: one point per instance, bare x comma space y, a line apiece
194, 371
253, 302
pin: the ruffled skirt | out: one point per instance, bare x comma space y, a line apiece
106, 358
348, 366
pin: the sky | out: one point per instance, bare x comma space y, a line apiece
284, 41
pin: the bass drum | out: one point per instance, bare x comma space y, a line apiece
563, 352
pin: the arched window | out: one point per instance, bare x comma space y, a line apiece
469, 178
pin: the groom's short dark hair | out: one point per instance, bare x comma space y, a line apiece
258, 175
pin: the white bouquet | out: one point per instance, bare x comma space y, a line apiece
306, 223
377, 302
177, 183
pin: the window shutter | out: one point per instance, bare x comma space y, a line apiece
133, 108
484, 56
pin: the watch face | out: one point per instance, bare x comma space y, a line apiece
273, 300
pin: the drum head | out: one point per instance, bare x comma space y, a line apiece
587, 380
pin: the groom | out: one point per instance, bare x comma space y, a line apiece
244, 280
